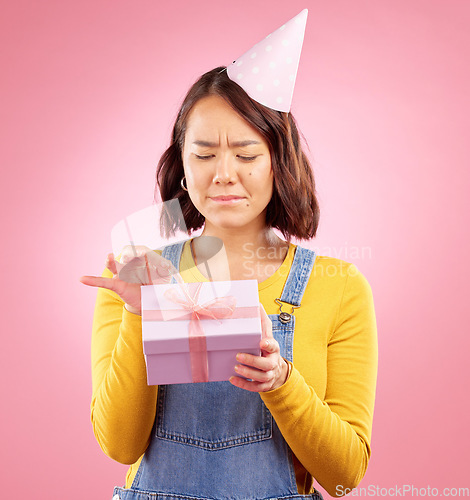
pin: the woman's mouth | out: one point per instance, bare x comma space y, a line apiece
227, 200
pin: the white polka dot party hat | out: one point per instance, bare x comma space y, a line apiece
268, 70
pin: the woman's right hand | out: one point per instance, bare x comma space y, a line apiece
138, 266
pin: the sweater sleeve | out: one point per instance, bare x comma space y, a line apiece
331, 437
123, 406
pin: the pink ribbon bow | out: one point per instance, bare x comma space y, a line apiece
218, 308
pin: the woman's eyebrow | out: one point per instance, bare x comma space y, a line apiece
237, 144
241, 144
206, 144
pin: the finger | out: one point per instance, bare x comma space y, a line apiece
118, 265
147, 268
99, 282
111, 263
145, 271
249, 385
159, 269
156, 274
253, 374
269, 345
257, 362
160, 265
170, 272
130, 252
142, 249
266, 324
135, 271
162, 275
127, 254
155, 258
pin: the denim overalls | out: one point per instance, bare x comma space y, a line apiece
216, 441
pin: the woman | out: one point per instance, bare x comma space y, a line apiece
300, 412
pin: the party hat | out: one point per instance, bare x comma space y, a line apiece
267, 71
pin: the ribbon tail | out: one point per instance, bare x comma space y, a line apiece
198, 351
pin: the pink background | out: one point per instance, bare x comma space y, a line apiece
89, 92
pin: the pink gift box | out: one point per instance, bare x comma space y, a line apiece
193, 335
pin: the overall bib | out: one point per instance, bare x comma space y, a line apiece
216, 441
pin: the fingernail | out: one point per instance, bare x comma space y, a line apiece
237, 368
240, 357
266, 343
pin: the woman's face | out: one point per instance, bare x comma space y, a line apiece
227, 165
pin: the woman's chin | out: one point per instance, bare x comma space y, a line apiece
232, 222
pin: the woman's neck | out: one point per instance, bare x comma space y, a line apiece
235, 254
235, 242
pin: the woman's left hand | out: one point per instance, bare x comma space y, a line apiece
268, 371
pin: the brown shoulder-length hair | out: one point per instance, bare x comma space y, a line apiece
293, 208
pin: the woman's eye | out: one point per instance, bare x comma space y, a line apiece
241, 157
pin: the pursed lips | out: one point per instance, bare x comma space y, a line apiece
226, 198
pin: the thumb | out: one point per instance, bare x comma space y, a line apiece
266, 325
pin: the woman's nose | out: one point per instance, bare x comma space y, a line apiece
225, 171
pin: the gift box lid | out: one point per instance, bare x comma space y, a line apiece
169, 333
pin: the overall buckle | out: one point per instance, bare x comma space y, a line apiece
285, 317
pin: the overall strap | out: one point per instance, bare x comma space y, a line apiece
299, 275
173, 254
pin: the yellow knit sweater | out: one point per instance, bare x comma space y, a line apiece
325, 408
